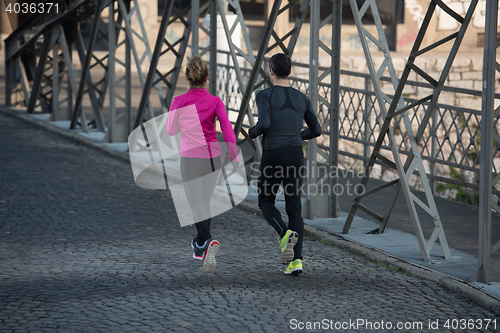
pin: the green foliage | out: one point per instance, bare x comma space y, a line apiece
461, 119
391, 267
441, 187
462, 195
472, 154
454, 173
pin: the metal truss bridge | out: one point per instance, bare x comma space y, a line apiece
109, 38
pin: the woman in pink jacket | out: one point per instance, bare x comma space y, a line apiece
193, 115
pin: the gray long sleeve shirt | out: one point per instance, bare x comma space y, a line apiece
281, 111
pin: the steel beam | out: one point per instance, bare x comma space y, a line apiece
50, 36
213, 48
313, 97
72, 85
333, 202
170, 16
398, 107
252, 83
23, 80
77, 110
292, 36
489, 270
91, 88
330, 76
257, 69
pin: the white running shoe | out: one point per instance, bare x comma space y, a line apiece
211, 248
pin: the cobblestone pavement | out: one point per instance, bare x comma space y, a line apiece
83, 249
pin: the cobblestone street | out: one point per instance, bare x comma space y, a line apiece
83, 249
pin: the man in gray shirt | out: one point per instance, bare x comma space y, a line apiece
281, 111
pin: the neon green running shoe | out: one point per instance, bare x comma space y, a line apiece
286, 244
294, 268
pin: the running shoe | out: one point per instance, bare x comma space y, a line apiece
211, 247
197, 251
286, 244
294, 268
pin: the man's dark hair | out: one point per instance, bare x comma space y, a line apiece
281, 64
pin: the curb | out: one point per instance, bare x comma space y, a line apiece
460, 287
456, 285
72, 136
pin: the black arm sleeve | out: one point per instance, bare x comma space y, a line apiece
314, 128
264, 121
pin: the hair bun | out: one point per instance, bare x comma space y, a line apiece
196, 71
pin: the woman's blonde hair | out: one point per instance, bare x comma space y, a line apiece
196, 71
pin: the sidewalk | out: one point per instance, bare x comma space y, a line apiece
397, 241
393, 248
75, 248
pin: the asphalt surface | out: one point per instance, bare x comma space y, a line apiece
83, 249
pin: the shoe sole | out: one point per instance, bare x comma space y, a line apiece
209, 263
295, 271
287, 254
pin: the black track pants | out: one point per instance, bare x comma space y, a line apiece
285, 166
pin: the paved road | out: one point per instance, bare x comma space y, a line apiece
82, 249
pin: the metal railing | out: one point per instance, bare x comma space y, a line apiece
450, 145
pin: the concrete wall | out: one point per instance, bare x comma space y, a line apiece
441, 25
5, 23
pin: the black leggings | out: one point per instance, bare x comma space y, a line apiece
200, 193
278, 166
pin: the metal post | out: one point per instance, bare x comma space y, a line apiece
367, 121
9, 82
213, 47
127, 115
486, 272
50, 38
256, 69
111, 70
96, 105
148, 85
227, 66
333, 204
86, 68
72, 86
433, 133
55, 82
313, 97
195, 19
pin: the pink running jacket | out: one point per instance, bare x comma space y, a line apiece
193, 114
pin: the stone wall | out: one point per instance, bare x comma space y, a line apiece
456, 133
466, 72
